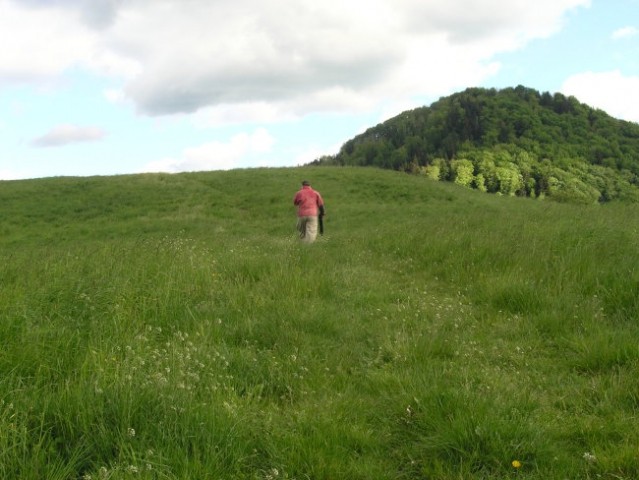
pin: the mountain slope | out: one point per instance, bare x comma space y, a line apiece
516, 141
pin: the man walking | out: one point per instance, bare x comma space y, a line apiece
309, 206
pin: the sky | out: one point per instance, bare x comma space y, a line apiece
110, 87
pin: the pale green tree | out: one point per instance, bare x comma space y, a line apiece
480, 183
510, 179
464, 172
431, 171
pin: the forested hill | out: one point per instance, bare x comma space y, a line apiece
515, 141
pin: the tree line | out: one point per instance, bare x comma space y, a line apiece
513, 141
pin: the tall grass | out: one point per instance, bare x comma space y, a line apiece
172, 327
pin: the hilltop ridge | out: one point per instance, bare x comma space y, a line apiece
514, 141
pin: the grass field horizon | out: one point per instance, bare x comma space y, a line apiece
161, 326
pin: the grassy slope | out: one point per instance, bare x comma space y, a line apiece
158, 326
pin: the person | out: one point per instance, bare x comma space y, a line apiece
310, 205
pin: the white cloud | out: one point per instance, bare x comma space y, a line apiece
114, 95
39, 43
314, 152
234, 114
96, 13
44, 38
66, 134
616, 94
217, 155
625, 32
297, 54
243, 59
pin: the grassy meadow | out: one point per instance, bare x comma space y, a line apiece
172, 327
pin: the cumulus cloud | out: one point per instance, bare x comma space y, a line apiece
313, 152
611, 91
67, 134
300, 53
42, 39
96, 13
295, 56
38, 44
625, 32
217, 155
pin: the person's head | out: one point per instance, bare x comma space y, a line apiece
306, 183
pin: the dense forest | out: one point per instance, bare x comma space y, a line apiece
513, 141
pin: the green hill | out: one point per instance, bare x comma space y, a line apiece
173, 327
516, 141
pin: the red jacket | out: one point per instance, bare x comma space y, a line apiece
308, 202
